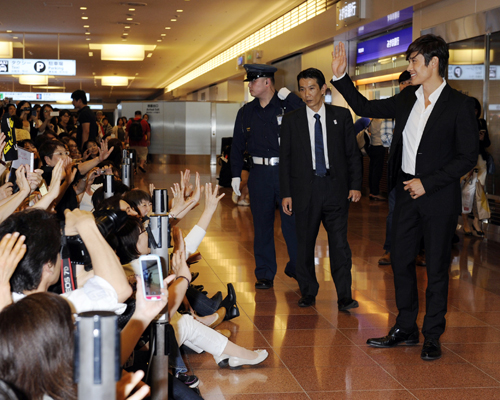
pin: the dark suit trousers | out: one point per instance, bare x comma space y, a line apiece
325, 206
409, 224
264, 187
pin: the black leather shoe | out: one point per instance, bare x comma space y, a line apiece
232, 312
431, 350
347, 304
217, 297
194, 275
307, 301
198, 287
264, 284
230, 299
395, 337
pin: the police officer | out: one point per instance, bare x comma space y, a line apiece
256, 130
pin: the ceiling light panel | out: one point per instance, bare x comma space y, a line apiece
114, 81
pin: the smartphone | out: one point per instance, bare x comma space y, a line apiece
33, 112
152, 277
54, 113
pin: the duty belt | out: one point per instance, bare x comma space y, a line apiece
266, 161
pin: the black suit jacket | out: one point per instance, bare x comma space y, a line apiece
448, 148
296, 168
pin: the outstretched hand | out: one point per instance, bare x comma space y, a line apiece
339, 60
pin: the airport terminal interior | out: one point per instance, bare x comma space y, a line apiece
320, 352
186, 71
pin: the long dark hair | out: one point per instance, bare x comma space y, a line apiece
36, 347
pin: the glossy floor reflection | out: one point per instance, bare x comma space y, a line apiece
319, 353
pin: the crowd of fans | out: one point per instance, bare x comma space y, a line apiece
42, 208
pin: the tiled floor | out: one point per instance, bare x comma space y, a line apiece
318, 353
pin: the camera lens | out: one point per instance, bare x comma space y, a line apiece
110, 220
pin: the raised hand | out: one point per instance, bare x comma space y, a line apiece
211, 198
339, 60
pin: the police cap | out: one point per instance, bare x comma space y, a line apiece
255, 71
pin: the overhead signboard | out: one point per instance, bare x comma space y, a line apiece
38, 96
20, 66
472, 72
349, 12
384, 46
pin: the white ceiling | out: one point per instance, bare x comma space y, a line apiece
203, 29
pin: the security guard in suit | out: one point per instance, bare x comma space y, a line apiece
257, 130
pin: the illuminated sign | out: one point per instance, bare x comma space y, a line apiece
384, 46
38, 97
472, 72
19, 66
349, 12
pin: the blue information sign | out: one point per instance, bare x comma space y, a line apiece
384, 46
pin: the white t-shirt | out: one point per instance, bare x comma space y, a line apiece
96, 295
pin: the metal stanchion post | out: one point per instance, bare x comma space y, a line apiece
97, 355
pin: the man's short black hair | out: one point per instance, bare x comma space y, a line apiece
138, 112
43, 242
312, 73
431, 46
48, 147
79, 95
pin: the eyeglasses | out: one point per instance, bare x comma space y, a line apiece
61, 153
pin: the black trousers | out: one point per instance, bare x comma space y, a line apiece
328, 208
376, 154
409, 224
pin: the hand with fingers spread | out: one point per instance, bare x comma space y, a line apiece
211, 198
339, 60
104, 152
180, 206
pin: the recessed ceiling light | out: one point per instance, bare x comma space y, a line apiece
9, 31
159, 40
83, 8
127, 27
124, 40
88, 38
85, 17
131, 9
180, 10
149, 56
14, 37
86, 26
91, 54
87, 33
163, 34
125, 34
130, 19
167, 27
173, 19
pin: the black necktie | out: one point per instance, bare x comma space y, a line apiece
319, 147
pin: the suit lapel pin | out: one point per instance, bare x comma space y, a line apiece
335, 121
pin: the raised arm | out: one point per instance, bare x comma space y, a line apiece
104, 261
385, 108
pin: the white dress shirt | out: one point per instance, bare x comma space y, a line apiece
414, 129
311, 121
